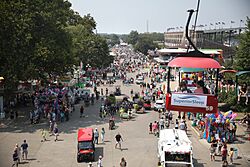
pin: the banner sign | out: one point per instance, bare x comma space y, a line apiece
189, 100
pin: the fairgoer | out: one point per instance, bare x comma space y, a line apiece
123, 162
118, 139
243, 92
24, 147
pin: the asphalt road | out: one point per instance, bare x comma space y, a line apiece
139, 147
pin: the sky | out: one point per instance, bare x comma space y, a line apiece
123, 16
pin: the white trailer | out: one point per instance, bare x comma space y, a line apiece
175, 148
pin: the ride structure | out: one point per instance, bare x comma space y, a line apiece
197, 103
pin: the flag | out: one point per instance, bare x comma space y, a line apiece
232, 22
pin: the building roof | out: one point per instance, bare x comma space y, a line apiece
168, 51
159, 60
182, 50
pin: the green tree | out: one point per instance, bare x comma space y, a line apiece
133, 37
34, 43
144, 44
88, 47
242, 59
112, 39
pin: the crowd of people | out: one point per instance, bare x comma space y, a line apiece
55, 105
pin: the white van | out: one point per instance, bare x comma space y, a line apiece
175, 148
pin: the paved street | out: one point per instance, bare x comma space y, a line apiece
139, 148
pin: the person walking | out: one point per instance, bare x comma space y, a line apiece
107, 91
15, 159
123, 162
56, 133
231, 154
102, 134
24, 147
101, 91
81, 111
31, 117
224, 153
43, 133
176, 124
219, 146
159, 164
161, 123
99, 163
96, 136
118, 139
150, 128
18, 150
154, 126
182, 125
234, 129
212, 152
170, 117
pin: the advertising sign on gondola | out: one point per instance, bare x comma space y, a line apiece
189, 100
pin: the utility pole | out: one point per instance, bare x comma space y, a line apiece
147, 26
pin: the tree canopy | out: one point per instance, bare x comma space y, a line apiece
37, 41
33, 40
144, 41
133, 37
242, 59
144, 44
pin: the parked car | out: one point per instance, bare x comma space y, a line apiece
159, 104
139, 80
147, 105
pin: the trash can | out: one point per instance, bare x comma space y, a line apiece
236, 153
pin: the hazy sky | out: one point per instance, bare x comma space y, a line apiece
122, 16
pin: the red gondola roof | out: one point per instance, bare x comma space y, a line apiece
194, 62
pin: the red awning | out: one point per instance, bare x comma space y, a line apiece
194, 62
228, 71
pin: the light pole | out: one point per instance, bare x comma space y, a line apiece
78, 77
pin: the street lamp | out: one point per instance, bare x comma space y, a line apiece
2, 112
77, 76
